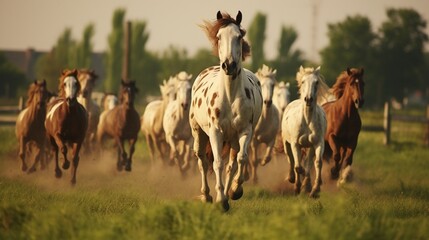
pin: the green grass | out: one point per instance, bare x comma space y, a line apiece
389, 199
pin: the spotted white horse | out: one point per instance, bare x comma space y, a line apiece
151, 122
176, 122
281, 98
303, 129
226, 105
268, 124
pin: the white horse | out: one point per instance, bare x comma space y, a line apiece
303, 127
109, 102
268, 124
226, 105
176, 122
151, 122
281, 99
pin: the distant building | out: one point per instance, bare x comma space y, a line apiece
26, 61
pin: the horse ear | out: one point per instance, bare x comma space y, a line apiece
317, 70
218, 15
349, 72
287, 84
239, 17
361, 71
44, 82
275, 72
35, 81
301, 68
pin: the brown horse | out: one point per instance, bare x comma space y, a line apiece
87, 79
30, 125
67, 122
344, 123
122, 123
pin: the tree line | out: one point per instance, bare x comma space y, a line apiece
393, 55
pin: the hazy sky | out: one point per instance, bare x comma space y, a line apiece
38, 23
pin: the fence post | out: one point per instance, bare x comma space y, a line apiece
427, 127
386, 123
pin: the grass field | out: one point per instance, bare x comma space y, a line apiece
389, 198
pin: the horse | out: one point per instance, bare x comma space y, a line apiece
67, 122
176, 122
281, 98
152, 122
303, 129
226, 105
87, 79
268, 124
109, 101
344, 122
30, 125
122, 123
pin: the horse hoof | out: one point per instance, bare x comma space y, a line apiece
334, 174
73, 182
24, 168
205, 198
314, 194
224, 205
237, 194
291, 179
31, 170
265, 161
58, 173
307, 183
128, 168
66, 164
300, 170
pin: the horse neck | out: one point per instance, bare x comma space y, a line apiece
347, 103
308, 111
232, 86
35, 112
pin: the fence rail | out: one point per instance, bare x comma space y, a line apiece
8, 114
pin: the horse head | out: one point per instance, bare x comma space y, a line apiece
357, 85
183, 89
281, 96
267, 78
311, 85
38, 94
128, 92
87, 79
69, 86
109, 101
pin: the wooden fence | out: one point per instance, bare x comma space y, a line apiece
388, 117
8, 114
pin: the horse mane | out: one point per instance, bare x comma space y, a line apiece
87, 71
323, 90
32, 90
266, 71
67, 73
343, 79
211, 28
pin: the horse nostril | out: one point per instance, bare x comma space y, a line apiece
224, 66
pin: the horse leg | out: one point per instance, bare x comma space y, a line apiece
122, 155
21, 154
268, 152
132, 143
200, 142
76, 149
296, 151
347, 174
37, 155
186, 154
308, 161
236, 191
253, 161
150, 143
63, 148
55, 149
318, 161
288, 150
333, 144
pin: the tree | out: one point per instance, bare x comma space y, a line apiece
351, 44
12, 80
401, 53
173, 60
256, 35
50, 65
114, 53
82, 54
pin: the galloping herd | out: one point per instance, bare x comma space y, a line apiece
220, 119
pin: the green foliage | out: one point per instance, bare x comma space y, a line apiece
114, 55
256, 35
81, 56
12, 80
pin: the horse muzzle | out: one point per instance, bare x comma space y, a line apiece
308, 101
268, 103
71, 101
230, 68
185, 106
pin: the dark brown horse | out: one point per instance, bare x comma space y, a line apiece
122, 123
67, 122
344, 123
30, 126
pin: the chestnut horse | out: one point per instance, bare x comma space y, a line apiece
344, 123
67, 122
122, 123
30, 125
